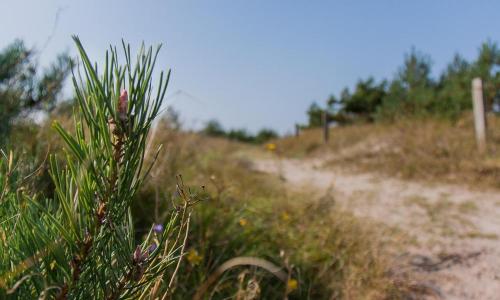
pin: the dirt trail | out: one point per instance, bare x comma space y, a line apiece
456, 250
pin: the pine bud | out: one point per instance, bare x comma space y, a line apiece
139, 256
123, 105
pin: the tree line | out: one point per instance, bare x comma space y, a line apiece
413, 92
215, 129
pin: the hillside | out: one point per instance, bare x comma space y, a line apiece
443, 236
421, 149
422, 184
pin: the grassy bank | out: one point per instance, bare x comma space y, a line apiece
428, 149
325, 253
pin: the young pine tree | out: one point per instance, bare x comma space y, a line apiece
82, 243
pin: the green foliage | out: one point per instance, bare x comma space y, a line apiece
454, 91
241, 135
22, 89
215, 129
416, 70
414, 93
314, 115
487, 66
82, 243
365, 99
265, 135
411, 93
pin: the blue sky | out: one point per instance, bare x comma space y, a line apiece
258, 63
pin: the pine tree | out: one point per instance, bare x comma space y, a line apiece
82, 243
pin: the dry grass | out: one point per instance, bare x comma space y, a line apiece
413, 149
332, 254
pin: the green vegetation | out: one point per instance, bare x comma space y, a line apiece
414, 93
214, 128
82, 243
106, 216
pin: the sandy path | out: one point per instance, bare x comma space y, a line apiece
456, 250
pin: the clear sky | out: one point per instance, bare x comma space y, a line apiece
258, 63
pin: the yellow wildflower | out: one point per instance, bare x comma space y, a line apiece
285, 216
52, 265
243, 222
193, 257
292, 285
271, 147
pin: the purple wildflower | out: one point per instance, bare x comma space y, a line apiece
158, 228
152, 247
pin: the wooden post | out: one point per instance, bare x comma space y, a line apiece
297, 130
326, 133
479, 114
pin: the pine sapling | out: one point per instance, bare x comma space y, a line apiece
82, 243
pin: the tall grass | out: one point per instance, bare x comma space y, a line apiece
326, 253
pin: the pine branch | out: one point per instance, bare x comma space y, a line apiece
96, 254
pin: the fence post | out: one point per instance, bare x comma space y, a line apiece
326, 133
297, 130
479, 114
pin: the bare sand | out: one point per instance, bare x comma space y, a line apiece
456, 248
